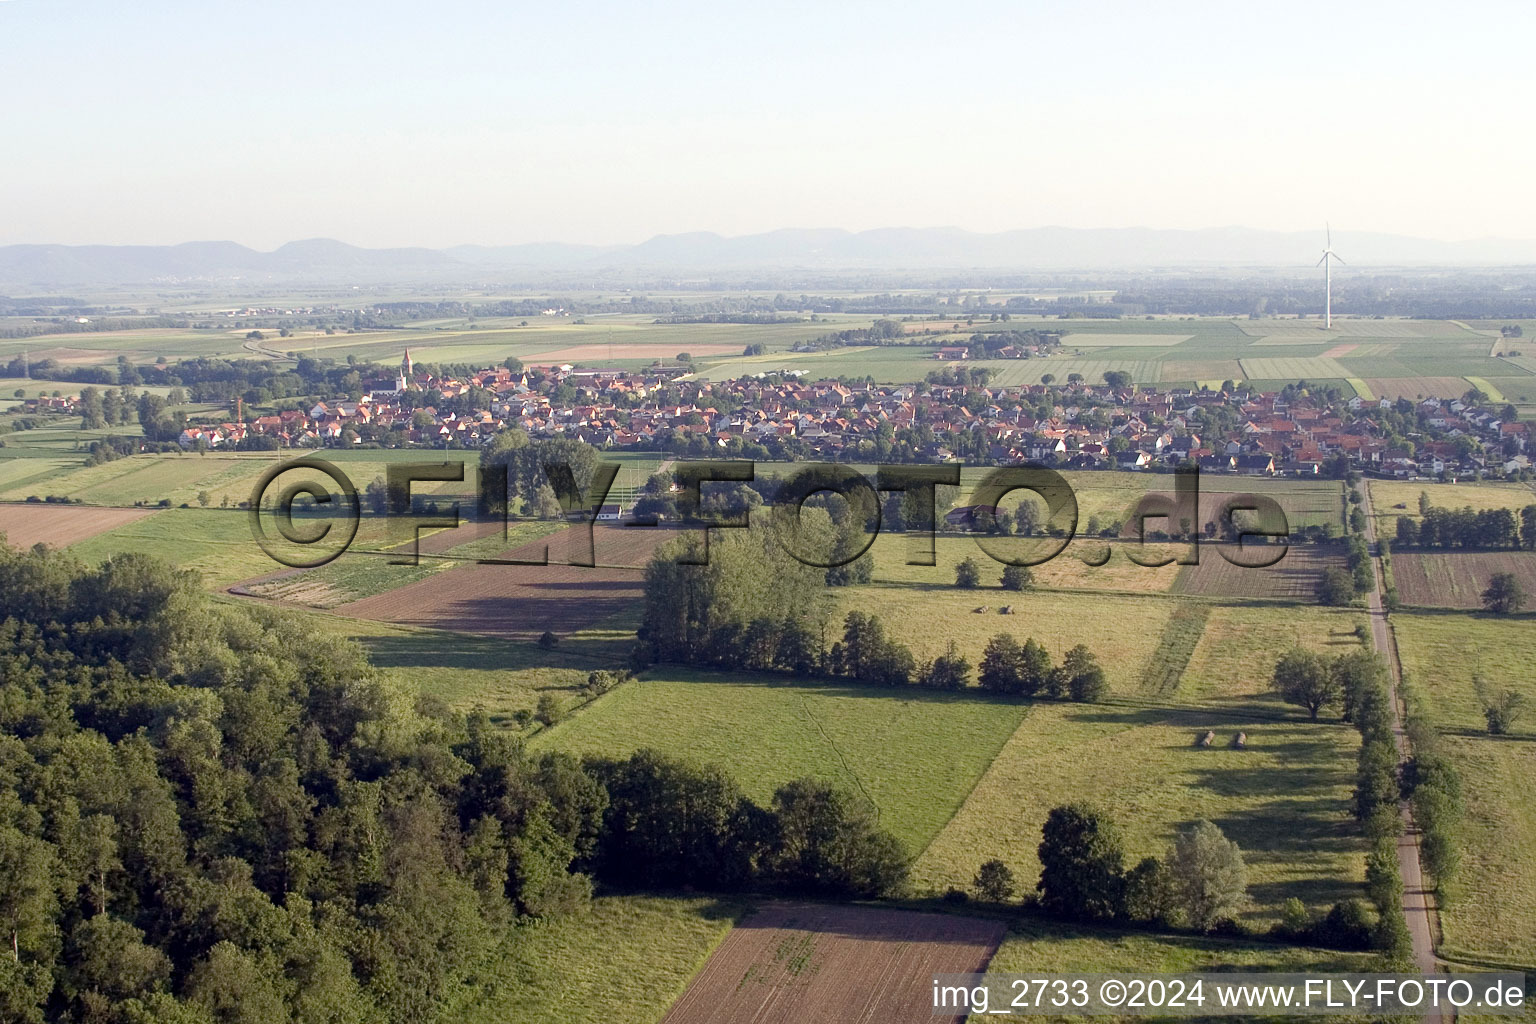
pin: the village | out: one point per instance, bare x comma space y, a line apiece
1079, 425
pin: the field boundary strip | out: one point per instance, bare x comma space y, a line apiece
1181, 636
1482, 384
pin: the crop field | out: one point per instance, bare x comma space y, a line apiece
1293, 578
1415, 388
1457, 579
489, 340
140, 346
1122, 631
597, 352
889, 364
226, 476
1164, 349
1285, 799
600, 606
1292, 368
1455, 661
32, 474
152, 478
1519, 390
914, 754
59, 526
1296, 341
1195, 370
1345, 327
1488, 388
1181, 636
1088, 339
791, 963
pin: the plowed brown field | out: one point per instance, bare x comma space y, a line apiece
799, 963
61, 525
522, 601
1293, 578
1457, 579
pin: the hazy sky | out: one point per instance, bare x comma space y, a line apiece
439, 123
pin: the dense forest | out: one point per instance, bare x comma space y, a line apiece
213, 813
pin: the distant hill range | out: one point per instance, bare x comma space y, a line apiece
911, 250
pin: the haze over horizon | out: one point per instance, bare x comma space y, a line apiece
393, 124
786, 229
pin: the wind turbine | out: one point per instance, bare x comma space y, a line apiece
1327, 264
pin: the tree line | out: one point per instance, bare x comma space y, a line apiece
1468, 528
755, 607
215, 814
1200, 884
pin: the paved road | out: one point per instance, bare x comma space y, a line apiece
1418, 901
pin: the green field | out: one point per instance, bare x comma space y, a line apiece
915, 754
487, 340
1492, 911
217, 543
1284, 800
622, 960
1122, 631
369, 566
1271, 352
1293, 368
1393, 498
1240, 645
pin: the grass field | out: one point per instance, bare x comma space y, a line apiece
1393, 498
1122, 631
1284, 800
1047, 946
1236, 656
915, 754
622, 960
1443, 652
226, 476
1067, 571
368, 567
217, 543
1492, 913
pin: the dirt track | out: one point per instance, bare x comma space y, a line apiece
805, 963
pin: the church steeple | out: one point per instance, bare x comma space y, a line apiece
403, 382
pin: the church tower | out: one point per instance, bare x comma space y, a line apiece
407, 371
